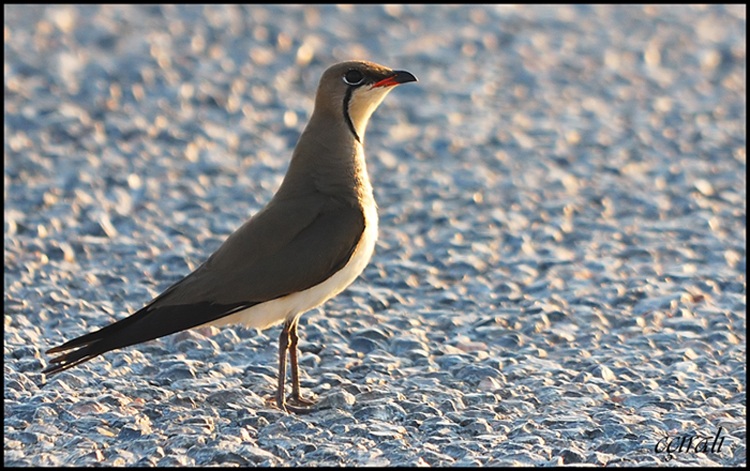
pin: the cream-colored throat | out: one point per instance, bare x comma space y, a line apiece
362, 104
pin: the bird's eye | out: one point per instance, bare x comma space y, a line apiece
353, 77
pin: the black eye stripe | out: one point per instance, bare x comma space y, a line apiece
353, 77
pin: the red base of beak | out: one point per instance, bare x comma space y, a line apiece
399, 77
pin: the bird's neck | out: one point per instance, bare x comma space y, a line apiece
329, 160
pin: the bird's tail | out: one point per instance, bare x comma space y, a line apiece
151, 322
86, 347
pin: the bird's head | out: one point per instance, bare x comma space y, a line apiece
354, 89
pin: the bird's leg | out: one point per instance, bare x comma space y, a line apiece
289, 326
293, 339
283, 346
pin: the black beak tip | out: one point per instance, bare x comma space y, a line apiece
403, 76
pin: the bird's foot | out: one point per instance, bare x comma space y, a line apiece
298, 399
299, 405
295, 409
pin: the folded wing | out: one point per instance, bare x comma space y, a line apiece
290, 246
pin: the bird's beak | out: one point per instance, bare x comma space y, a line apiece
398, 77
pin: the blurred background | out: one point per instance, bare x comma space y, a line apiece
562, 246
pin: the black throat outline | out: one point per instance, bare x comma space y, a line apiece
348, 119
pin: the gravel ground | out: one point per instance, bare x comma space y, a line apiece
560, 275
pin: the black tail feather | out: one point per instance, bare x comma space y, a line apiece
71, 359
147, 324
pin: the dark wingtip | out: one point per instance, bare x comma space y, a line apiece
57, 349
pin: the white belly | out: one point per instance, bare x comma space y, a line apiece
293, 305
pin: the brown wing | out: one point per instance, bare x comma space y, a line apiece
289, 246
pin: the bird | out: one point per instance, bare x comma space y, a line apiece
312, 239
